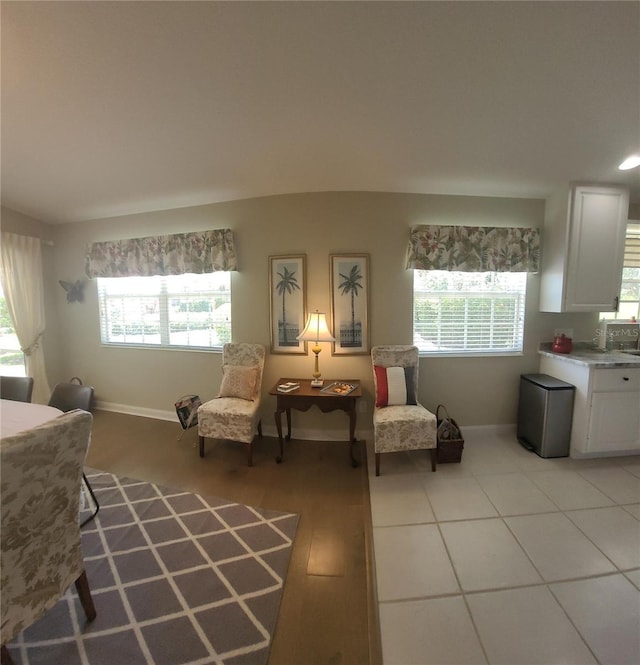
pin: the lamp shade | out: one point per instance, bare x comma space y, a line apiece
316, 329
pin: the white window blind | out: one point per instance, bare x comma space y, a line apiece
632, 246
166, 311
468, 312
629, 299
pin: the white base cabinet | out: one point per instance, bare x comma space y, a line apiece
614, 423
606, 412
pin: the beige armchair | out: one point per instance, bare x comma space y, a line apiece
235, 413
40, 547
400, 422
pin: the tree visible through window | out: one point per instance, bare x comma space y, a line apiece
468, 312
11, 357
176, 310
629, 303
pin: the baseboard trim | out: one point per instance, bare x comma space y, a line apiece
488, 430
267, 429
156, 414
300, 433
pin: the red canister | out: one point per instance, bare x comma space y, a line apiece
562, 344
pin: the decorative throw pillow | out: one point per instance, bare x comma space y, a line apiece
238, 381
394, 386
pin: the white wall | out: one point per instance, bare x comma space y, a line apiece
476, 391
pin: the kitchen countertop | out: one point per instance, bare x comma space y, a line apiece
584, 353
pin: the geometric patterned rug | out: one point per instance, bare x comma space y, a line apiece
176, 578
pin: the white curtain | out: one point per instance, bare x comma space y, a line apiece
22, 283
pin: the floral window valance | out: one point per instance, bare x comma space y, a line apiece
198, 252
474, 249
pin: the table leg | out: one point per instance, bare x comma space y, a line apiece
288, 411
352, 435
278, 418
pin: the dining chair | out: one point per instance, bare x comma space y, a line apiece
400, 422
235, 413
67, 396
16, 388
40, 549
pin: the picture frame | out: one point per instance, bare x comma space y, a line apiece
287, 303
349, 275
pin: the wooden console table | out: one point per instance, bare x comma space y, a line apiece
305, 397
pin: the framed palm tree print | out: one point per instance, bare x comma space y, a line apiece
350, 303
288, 302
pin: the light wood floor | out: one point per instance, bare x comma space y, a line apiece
327, 612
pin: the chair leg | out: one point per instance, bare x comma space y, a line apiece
5, 658
84, 593
260, 428
434, 458
201, 440
377, 464
93, 498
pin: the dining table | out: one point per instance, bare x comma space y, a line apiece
16, 416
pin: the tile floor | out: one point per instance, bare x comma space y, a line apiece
507, 557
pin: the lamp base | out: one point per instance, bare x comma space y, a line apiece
317, 383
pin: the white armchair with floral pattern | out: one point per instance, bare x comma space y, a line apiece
400, 422
40, 550
235, 414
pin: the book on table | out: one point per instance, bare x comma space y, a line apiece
288, 387
339, 388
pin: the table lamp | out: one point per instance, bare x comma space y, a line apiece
316, 331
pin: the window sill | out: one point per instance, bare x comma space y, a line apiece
159, 347
471, 354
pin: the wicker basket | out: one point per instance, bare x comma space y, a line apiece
450, 441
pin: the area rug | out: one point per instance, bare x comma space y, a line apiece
176, 578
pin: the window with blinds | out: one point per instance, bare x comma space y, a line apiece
468, 312
170, 311
629, 300
632, 246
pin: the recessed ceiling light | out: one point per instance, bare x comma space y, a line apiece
630, 163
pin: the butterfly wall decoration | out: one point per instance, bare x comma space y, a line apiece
75, 290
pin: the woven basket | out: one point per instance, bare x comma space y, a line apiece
450, 441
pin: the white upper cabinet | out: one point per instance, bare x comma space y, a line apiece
583, 249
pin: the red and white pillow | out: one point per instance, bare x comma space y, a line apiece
394, 386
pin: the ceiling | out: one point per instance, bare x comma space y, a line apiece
112, 108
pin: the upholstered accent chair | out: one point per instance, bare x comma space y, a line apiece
235, 413
40, 551
16, 388
400, 422
67, 397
